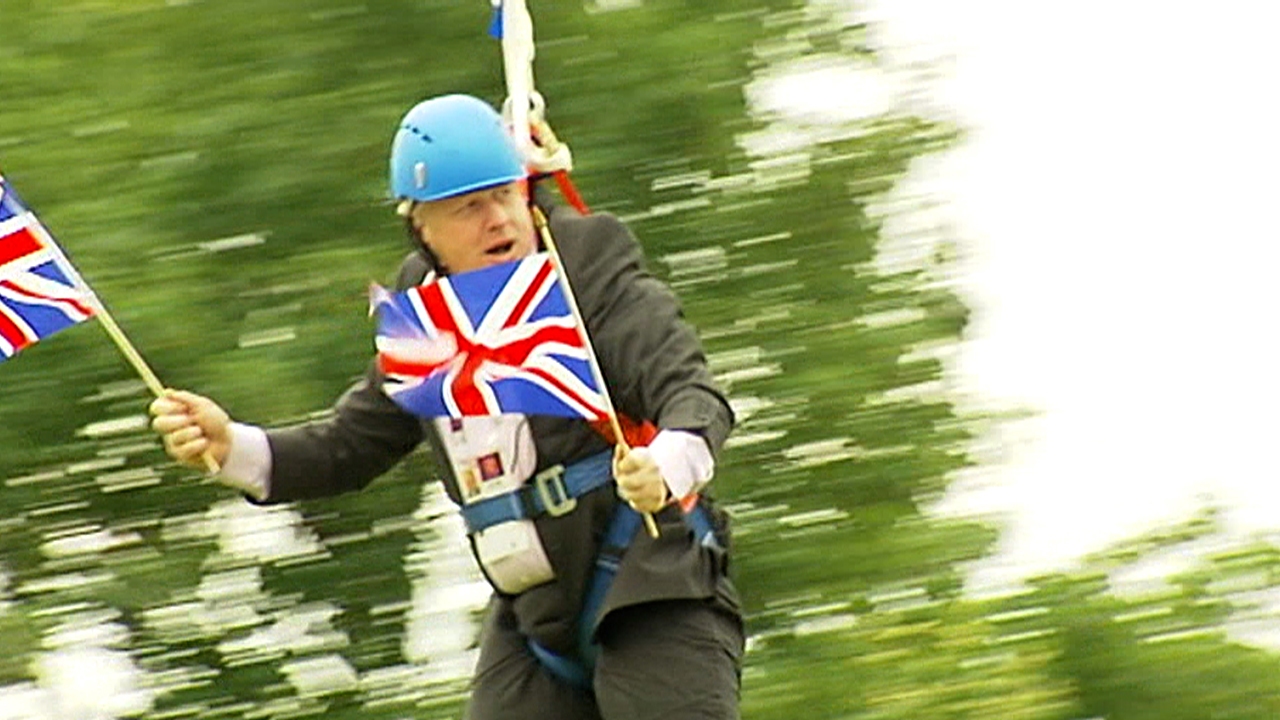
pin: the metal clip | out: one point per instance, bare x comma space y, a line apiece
551, 490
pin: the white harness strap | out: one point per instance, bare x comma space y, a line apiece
524, 108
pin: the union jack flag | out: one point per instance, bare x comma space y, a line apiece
39, 292
501, 339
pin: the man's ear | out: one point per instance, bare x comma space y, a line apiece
419, 230
414, 235
417, 236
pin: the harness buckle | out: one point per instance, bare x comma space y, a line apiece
551, 490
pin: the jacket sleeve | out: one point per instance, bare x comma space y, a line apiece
363, 437
652, 359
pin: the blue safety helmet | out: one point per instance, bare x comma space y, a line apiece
450, 145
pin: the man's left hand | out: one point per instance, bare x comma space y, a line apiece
640, 482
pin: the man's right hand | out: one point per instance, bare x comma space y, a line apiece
192, 425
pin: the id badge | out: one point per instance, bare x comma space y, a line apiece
490, 455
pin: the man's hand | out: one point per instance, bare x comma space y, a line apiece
640, 482
191, 425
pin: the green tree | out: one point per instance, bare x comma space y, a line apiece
1176, 648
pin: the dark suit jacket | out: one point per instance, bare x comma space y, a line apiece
654, 366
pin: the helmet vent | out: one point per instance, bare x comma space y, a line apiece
417, 132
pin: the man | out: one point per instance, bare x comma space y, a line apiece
662, 638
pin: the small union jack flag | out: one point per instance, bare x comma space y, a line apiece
39, 294
501, 339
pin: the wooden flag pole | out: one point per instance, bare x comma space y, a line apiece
113, 330
540, 220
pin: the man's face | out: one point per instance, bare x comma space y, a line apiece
478, 229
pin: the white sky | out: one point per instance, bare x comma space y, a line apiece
1115, 194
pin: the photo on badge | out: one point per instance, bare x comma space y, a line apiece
490, 466
469, 482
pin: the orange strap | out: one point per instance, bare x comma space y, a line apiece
637, 434
570, 192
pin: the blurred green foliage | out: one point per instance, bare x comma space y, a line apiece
217, 172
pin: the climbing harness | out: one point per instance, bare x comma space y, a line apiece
622, 529
555, 492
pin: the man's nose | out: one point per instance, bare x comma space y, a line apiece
496, 212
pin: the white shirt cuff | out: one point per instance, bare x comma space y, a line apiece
684, 460
248, 465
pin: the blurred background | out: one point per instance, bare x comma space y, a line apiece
986, 282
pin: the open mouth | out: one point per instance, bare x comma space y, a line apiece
501, 249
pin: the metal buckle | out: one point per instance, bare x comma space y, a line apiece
555, 496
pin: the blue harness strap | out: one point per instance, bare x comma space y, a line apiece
554, 491
567, 669
622, 529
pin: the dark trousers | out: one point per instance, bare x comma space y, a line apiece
677, 660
